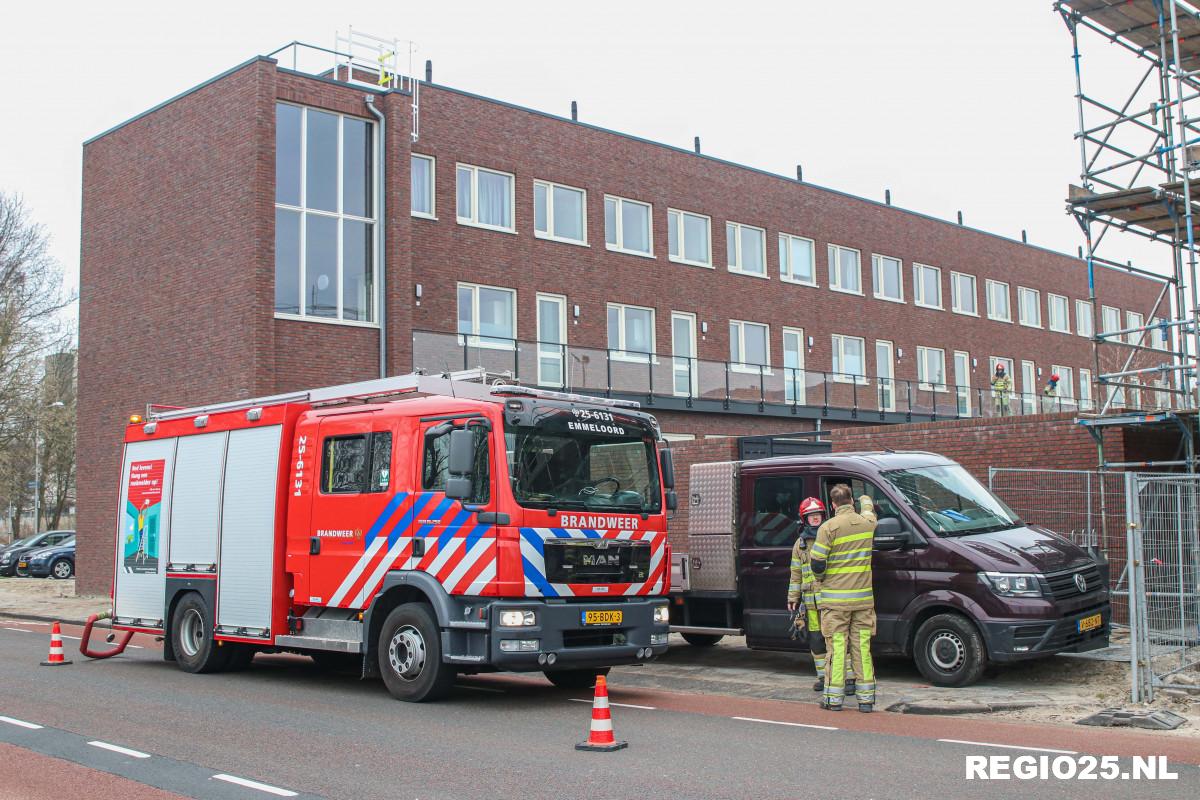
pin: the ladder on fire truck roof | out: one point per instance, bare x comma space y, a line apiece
468, 383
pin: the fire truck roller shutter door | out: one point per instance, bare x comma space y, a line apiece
248, 528
144, 531
196, 500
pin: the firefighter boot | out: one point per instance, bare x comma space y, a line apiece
819, 686
851, 686
866, 708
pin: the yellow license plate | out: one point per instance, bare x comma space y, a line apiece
603, 617
22, 564
1090, 623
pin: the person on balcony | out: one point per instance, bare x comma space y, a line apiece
1001, 389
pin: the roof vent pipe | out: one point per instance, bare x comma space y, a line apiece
887, 196
960, 218
696, 143
799, 173
1024, 237
574, 111
429, 70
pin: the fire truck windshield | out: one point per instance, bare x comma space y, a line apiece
583, 458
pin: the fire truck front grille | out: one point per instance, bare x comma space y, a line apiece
597, 561
592, 638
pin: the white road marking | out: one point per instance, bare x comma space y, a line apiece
1010, 746
20, 723
791, 724
19, 630
125, 751
262, 787
611, 703
69, 636
478, 688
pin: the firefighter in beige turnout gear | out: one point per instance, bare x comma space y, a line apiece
841, 560
803, 587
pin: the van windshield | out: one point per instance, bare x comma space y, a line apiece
951, 501
604, 462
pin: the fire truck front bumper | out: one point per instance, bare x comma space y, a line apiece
531, 635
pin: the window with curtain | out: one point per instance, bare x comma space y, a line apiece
559, 212
1083, 318
630, 332
849, 359
749, 345
887, 277
746, 248
845, 269
627, 226
796, 260
1058, 310
998, 307
689, 238
421, 190
484, 197
324, 215
487, 315
931, 368
1029, 307
927, 286
962, 293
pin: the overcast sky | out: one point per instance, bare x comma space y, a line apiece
952, 104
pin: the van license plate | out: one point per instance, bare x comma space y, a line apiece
22, 564
1090, 623
602, 617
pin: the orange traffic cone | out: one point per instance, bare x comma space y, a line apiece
600, 737
56, 659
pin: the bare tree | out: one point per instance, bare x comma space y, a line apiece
32, 325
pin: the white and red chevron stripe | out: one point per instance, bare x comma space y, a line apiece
537, 585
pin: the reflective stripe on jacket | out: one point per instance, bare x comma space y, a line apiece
844, 543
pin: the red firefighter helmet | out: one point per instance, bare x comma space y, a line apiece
1054, 377
811, 505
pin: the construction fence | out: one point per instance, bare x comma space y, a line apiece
1146, 528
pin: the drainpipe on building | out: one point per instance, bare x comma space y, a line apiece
381, 194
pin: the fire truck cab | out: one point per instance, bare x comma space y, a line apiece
461, 528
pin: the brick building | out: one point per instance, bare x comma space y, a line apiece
272, 230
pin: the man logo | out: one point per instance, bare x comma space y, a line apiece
1081, 583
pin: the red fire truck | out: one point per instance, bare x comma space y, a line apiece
414, 527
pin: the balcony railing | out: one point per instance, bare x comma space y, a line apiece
658, 379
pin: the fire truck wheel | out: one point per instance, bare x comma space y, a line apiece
702, 639
574, 678
191, 637
410, 655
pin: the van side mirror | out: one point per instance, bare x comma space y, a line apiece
668, 468
891, 534
460, 483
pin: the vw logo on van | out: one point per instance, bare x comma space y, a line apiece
1080, 583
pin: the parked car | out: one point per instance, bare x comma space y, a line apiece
57, 561
10, 555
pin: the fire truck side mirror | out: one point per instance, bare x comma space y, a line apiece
461, 464
672, 500
668, 469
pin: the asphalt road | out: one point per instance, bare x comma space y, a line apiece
289, 728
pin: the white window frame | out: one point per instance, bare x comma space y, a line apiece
1083, 311
475, 338
1086, 401
1066, 305
472, 221
834, 255
1030, 391
962, 391
680, 228
918, 299
991, 309
1021, 307
1158, 337
794, 377
621, 354
1104, 329
338, 215
549, 234
876, 261
837, 355
1134, 319
1066, 385
889, 379
619, 247
739, 364
737, 229
922, 383
690, 370
955, 300
787, 271
432, 214
560, 348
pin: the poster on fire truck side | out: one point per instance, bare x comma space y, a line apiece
143, 516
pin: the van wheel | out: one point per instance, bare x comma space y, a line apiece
574, 678
410, 655
192, 637
949, 651
702, 639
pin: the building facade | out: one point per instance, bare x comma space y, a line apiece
272, 230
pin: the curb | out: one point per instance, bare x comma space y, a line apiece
38, 618
908, 707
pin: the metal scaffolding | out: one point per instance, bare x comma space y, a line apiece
1138, 160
